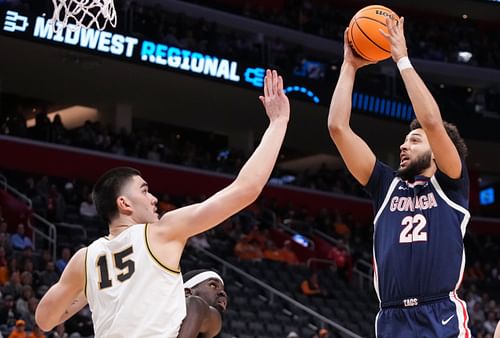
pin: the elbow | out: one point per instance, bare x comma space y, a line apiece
249, 191
42, 321
336, 129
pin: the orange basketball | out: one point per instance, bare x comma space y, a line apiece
364, 35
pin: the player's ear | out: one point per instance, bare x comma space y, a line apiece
124, 205
188, 292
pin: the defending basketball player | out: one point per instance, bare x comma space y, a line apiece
131, 278
420, 209
206, 300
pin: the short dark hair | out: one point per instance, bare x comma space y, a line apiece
107, 189
452, 132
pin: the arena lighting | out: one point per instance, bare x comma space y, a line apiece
487, 196
71, 117
464, 56
302, 90
382, 107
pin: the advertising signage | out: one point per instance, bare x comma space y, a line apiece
173, 58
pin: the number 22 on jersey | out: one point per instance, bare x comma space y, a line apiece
124, 267
413, 230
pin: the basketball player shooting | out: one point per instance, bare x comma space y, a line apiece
420, 209
131, 278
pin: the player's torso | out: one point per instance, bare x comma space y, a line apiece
130, 294
418, 241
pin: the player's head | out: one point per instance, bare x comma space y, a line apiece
122, 191
416, 154
208, 285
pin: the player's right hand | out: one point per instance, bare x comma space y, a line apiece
350, 57
274, 100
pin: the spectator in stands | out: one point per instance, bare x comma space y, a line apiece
49, 276
13, 286
57, 131
490, 324
29, 318
8, 312
283, 254
4, 271
55, 204
311, 286
87, 207
41, 130
321, 333
19, 330
36, 333
60, 332
342, 258
206, 300
19, 240
80, 324
4, 230
22, 302
63, 261
340, 227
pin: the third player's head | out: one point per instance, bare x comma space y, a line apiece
416, 154
122, 192
207, 285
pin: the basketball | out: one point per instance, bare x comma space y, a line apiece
364, 35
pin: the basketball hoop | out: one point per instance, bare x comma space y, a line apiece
83, 13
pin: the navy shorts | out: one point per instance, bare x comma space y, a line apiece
445, 318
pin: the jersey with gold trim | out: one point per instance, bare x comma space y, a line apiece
129, 292
418, 234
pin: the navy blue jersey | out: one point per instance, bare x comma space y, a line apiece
418, 235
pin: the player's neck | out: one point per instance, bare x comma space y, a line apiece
430, 171
119, 225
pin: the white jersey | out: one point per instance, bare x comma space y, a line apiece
130, 293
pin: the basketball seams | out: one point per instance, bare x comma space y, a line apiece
375, 7
370, 18
358, 50
376, 44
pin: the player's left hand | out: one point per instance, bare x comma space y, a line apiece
274, 99
396, 38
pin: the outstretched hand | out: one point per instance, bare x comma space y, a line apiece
350, 57
274, 100
396, 38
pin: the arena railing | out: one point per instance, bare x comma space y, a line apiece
49, 234
276, 293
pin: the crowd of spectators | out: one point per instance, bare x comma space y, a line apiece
433, 37
25, 275
166, 145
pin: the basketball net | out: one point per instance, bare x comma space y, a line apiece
75, 14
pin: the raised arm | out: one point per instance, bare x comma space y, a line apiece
356, 154
66, 297
426, 109
185, 222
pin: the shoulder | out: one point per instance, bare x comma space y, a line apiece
195, 303
78, 259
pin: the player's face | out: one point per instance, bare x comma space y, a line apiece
415, 154
212, 291
142, 202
